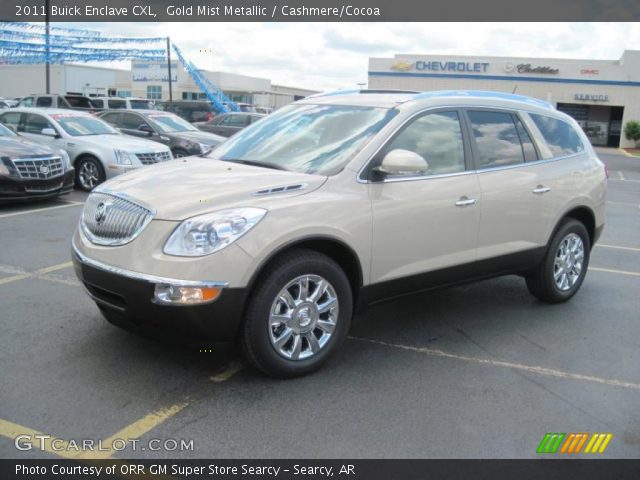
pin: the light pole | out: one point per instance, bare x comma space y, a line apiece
169, 69
47, 66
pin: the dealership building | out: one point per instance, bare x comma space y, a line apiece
602, 95
144, 79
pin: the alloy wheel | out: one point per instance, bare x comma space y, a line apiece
303, 317
569, 261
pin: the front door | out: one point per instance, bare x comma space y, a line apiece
428, 223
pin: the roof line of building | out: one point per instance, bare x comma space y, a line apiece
511, 79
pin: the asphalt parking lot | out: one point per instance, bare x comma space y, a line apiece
479, 371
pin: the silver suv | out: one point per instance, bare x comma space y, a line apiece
337, 201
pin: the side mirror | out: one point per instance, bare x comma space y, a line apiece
146, 128
401, 162
49, 132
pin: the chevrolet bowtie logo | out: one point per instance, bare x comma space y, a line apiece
574, 442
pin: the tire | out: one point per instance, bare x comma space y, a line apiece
287, 348
556, 281
89, 173
179, 153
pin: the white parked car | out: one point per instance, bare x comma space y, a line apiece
97, 150
122, 103
341, 200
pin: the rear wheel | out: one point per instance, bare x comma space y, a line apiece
298, 314
89, 173
562, 272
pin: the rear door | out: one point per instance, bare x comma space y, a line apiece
519, 192
427, 223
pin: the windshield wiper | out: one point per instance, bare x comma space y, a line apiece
255, 163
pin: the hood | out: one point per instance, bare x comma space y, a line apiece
200, 137
16, 147
191, 186
122, 142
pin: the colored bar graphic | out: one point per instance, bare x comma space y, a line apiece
573, 442
598, 443
550, 442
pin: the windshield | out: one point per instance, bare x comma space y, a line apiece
5, 132
171, 123
141, 105
81, 125
306, 138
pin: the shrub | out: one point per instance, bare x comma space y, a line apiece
632, 131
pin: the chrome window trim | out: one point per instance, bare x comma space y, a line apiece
540, 161
153, 279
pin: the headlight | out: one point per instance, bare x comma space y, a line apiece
205, 234
122, 157
66, 161
205, 148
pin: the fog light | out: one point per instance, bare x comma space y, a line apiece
176, 295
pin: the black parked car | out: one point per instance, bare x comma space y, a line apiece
227, 124
179, 135
190, 110
31, 171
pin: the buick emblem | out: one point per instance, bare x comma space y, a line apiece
101, 212
44, 169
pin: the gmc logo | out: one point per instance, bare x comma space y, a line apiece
589, 71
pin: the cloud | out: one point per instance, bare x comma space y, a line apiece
335, 55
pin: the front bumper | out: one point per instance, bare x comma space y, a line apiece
12, 189
128, 298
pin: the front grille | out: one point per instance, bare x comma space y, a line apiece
39, 168
151, 158
111, 220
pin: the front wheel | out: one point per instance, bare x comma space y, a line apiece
179, 153
562, 272
298, 314
89, 173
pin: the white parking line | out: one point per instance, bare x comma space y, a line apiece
619, 272
623, 180
36, 210
618, 247
620, 175
21, 274
513, 366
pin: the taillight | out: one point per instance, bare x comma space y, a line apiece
209, 116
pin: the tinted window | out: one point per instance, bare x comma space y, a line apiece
117, 103
528, 149
111, 118
234, 121
35, 124
561, 138
78, 102
43, 102
437, 137
11, 119
496, 138
140, 104
131, 121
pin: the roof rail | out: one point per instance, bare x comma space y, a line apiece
354, 91
485, 94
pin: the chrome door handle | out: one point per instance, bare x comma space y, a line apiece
540, 189
465, 201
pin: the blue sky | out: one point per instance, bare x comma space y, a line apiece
334, 55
